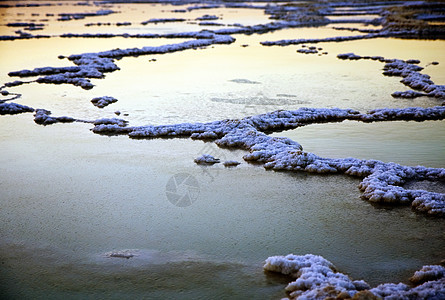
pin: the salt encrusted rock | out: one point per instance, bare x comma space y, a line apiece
428, 273
244, 81
14, 83
160, 20
408, 20
391, 290
430, 203
78, 16
207, 23
323, 40
350, 56
408, 94
382, 182
44, 71
42, 117
112, 121
410, 72
208, 135
121, 254
89, 66
413, 61
317, 278
95, 65
206, 159
409, 113
23, 36
291, 264
430, 290
11, 108
111, 126
203, 6
101, 102
400, 68
307, 51
384, 185
231, 163
23, 24
111, 129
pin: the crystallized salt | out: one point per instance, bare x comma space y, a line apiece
206, 159
316, 278
101, 102
231, 163
11, 108
382, 182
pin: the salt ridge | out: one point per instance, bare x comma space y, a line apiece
11, 108
382, 182
409, 71
317, 278
101, 102
95, 65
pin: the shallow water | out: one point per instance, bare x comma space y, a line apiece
69, 196
405, 143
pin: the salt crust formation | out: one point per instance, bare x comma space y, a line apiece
43, 117
121, 254
207, 18
11, 108
23, 36
317, 278
311, 50
409, 70
206, 159
397, 18
207, 23
101, 102
165, 20
79, 16
382, 182
231, 163
95, 65
405, 19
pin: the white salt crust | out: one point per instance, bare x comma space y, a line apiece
11, 108
95, 65
317, 278
382, 182
101, 102
206, 159
410, 72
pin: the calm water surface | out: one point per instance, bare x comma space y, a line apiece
68, 196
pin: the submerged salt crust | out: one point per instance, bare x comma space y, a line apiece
75, 215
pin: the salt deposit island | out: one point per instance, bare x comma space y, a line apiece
313, 277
